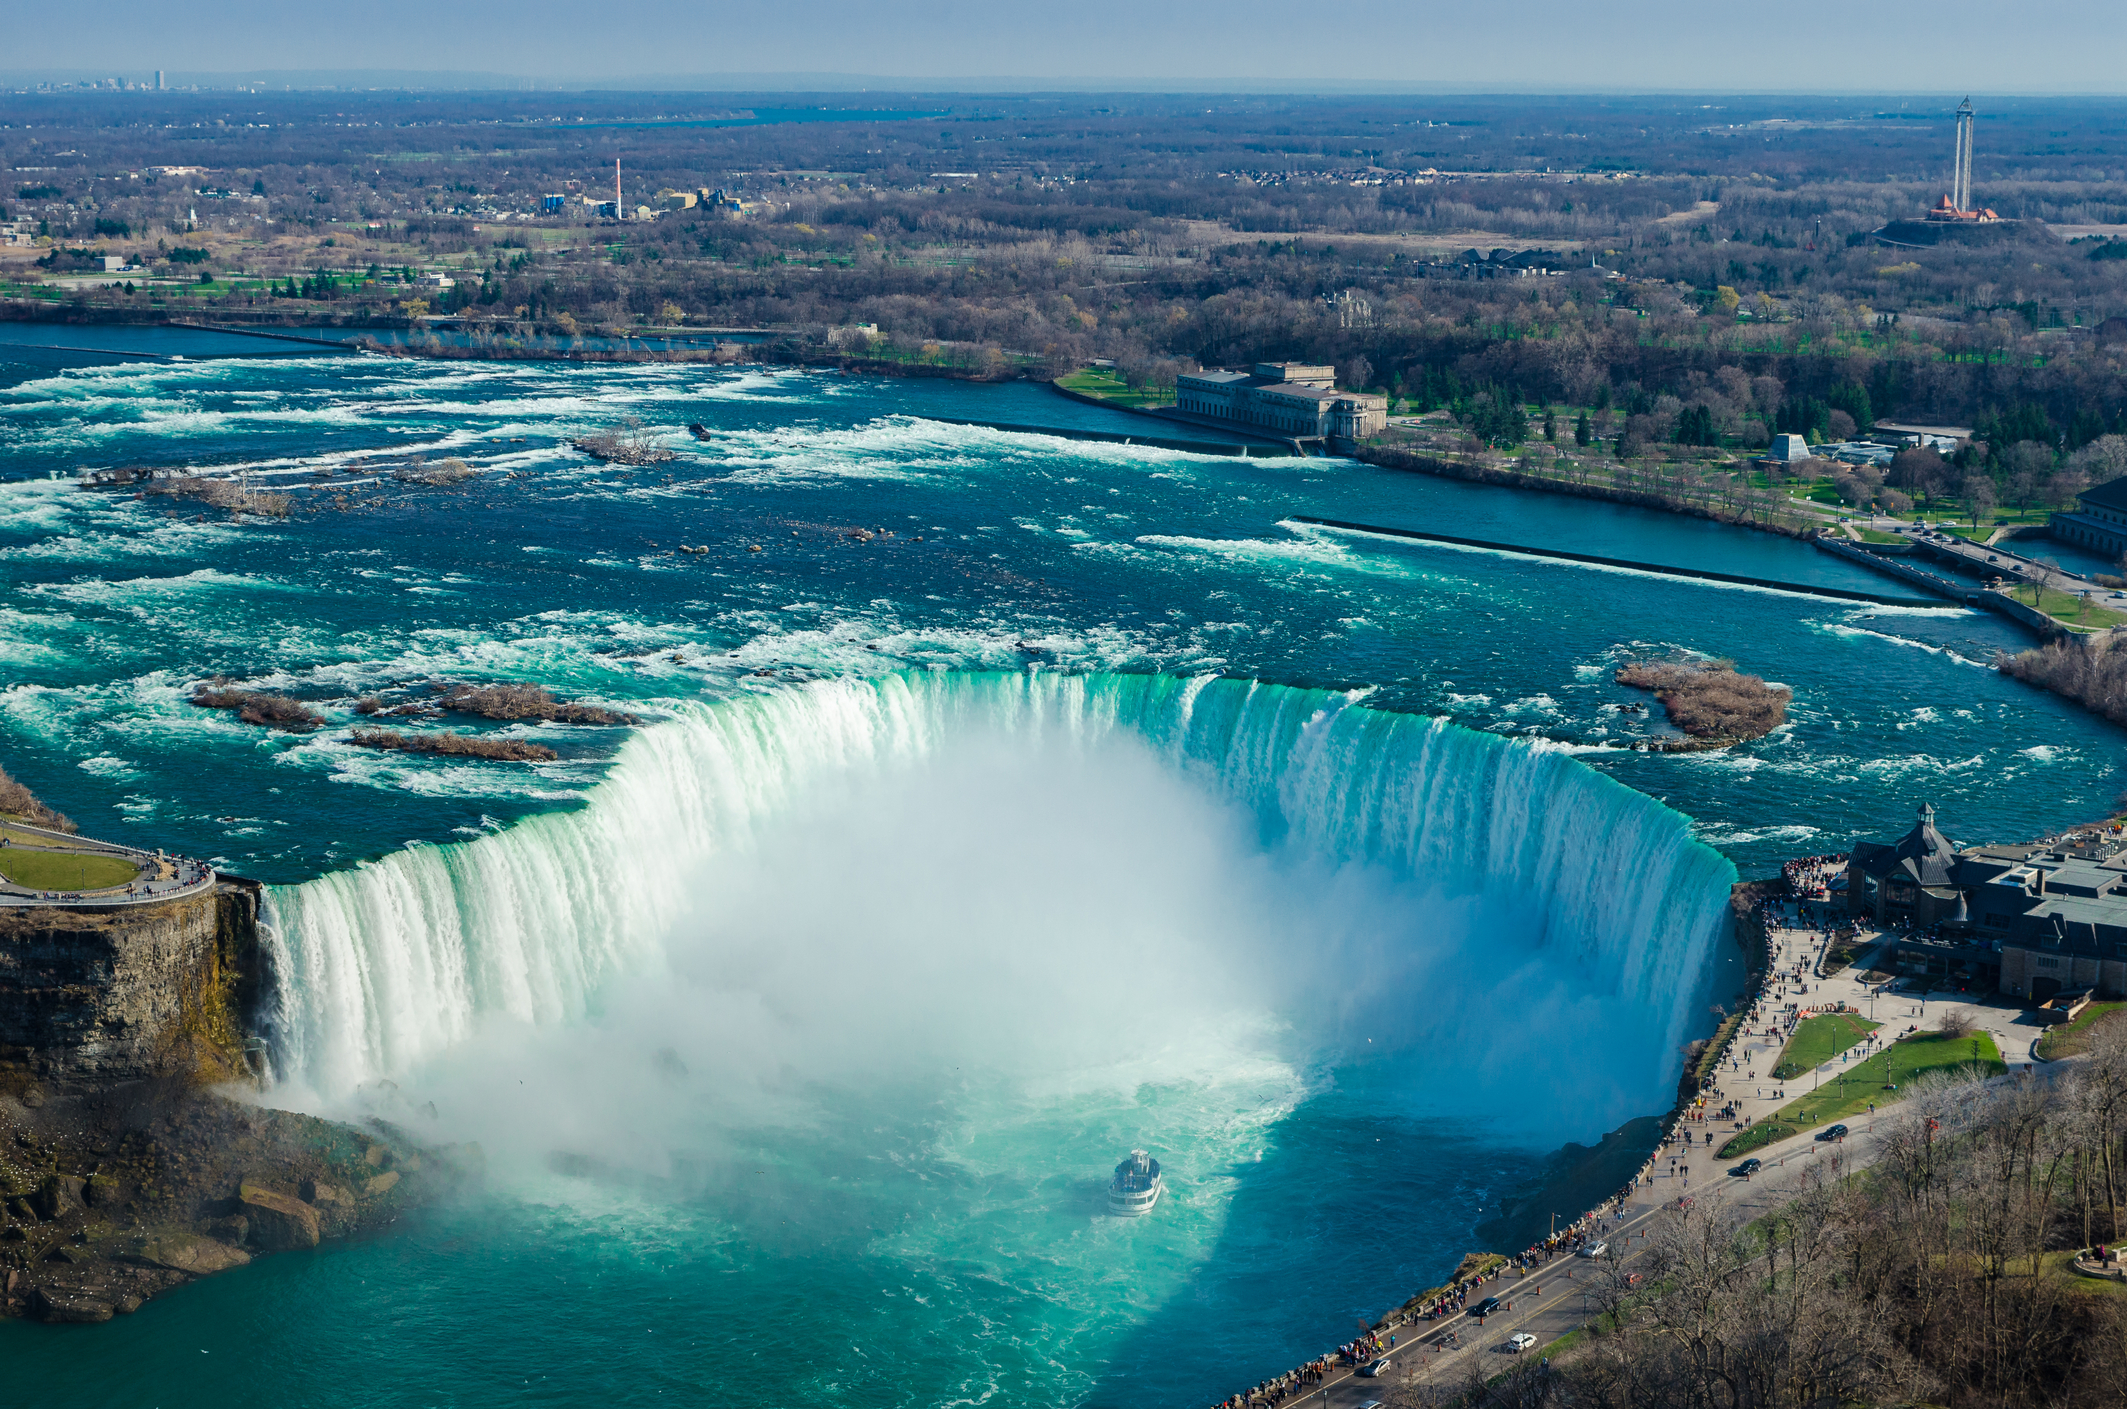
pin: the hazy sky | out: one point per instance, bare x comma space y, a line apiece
1864, 46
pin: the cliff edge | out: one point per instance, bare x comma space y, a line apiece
90, 997
129, 1164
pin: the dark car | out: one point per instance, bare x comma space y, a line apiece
1486, 1307
1749, 1166
1832, 1132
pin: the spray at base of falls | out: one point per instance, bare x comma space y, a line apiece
1442, 881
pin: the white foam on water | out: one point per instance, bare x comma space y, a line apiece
1840, 628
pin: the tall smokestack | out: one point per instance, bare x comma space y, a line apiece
616, 190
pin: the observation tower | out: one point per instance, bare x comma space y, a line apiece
1957, 205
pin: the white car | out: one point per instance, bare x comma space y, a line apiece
1377, 1368
1594, 1250
1521, 1341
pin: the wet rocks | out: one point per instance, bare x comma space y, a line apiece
123, 1192
335, 1206
62, 1305
58, 1196
279, 1222
187, 1252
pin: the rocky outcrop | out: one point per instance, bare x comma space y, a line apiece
91, 997
278, 1222
110, 1198
122, 1174
186, 1252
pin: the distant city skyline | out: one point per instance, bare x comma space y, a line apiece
1808, 46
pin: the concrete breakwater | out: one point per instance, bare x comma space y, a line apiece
1194, 447
2000, 603
1665, 570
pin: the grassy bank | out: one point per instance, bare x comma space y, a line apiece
2071, 1038
1874, 1080
1108, 386
1818, 1040
64, 870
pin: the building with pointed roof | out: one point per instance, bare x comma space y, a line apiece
1912, 879
2031, 920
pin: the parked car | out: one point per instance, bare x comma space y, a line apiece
1377, 1368
1520, 1341
1832, 1132
1486, 1307
1593, 1250
1749, 1166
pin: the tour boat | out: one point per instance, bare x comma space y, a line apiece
1136, 1187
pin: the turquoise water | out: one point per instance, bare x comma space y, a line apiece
1113, 811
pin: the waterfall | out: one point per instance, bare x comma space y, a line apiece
1602, 890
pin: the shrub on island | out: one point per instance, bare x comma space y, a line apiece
254, 707
453, 745
514, 699
1709, 701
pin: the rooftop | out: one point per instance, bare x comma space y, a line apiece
2112, 494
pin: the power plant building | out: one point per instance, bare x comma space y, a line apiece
1290, 400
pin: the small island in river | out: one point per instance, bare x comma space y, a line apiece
1709, 701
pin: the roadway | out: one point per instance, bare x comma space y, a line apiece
1998, 560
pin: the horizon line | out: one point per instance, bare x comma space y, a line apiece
983, 85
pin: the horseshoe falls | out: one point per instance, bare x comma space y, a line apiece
1002, 803
1478, 882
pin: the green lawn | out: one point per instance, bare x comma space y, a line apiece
2067, 607
1105, 384
1818, 1040
1850, 1092
2070, 1038
64, 870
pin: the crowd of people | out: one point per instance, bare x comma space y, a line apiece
1283, 1387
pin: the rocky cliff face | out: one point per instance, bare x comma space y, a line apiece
89, 998
122, 1175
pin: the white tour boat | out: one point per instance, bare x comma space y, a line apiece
1136, 1187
